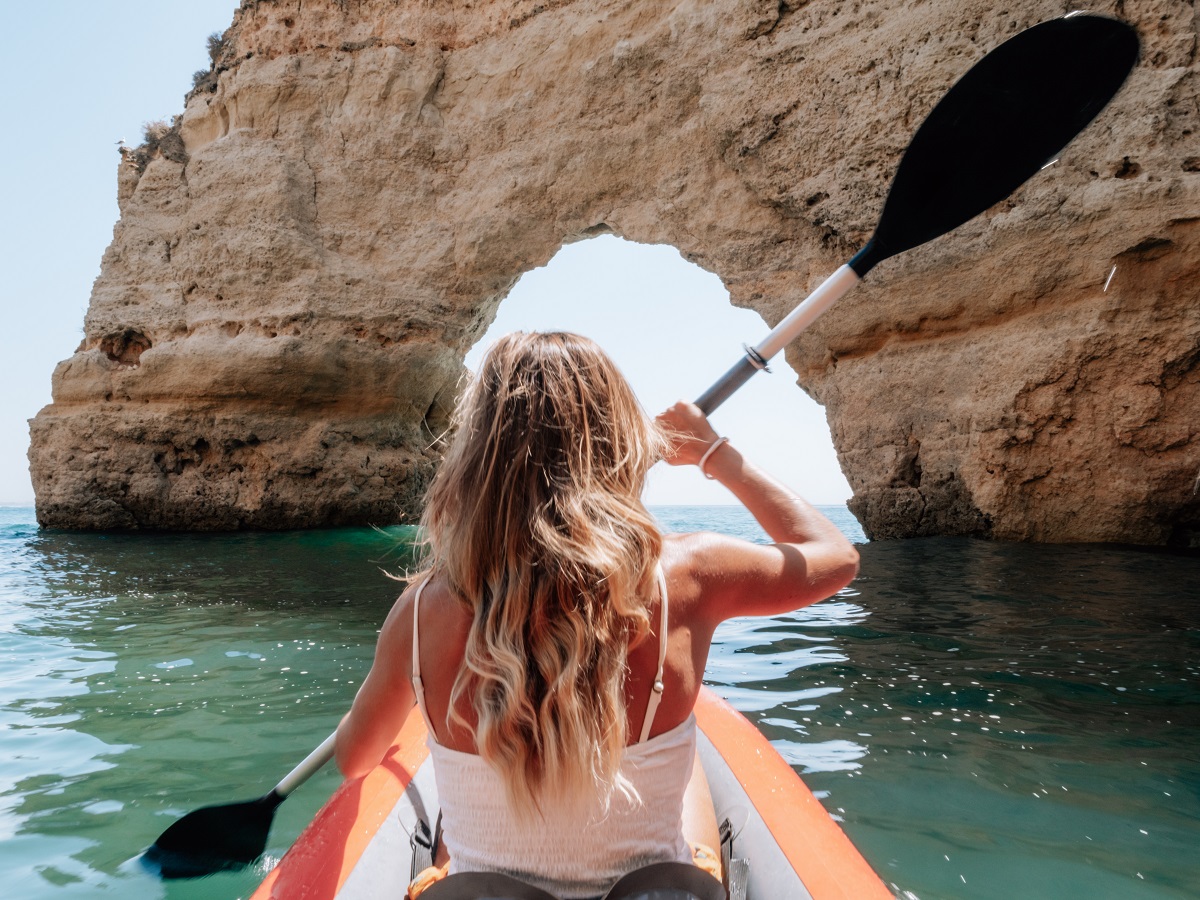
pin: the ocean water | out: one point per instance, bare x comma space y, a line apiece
985, 720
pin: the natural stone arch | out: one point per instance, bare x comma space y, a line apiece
359, 183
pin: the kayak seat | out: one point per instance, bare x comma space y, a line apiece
667, 881
659, 881
483, 886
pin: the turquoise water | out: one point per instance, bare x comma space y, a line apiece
986, 720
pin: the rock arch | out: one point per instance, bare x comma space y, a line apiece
358, 183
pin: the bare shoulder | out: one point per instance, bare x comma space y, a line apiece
395, 636
701, 554
445, 621
678, 555
692, 562
723, 576
689, 550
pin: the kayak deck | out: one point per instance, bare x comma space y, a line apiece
358, 845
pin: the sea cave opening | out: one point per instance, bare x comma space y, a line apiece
671, 328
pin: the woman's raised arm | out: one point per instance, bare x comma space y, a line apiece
809, 560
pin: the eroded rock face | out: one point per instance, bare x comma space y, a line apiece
278, 328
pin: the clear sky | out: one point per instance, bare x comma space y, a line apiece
81, 75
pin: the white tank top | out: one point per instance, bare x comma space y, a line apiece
572, 853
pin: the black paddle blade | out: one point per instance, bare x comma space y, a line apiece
213, 839
1009, 116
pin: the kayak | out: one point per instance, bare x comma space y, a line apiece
359, 846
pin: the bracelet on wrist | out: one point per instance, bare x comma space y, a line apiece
712, 448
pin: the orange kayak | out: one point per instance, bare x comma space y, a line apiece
358, 846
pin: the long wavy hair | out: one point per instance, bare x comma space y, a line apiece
536, 521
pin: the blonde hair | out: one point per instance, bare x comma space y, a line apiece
536, 521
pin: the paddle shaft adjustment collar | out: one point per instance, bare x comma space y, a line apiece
789, 328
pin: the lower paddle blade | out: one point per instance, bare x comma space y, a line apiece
213, 839
1008, 117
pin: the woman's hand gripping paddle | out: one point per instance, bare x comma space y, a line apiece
1008, 117
216, 838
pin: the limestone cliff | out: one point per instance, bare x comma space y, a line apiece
277, 330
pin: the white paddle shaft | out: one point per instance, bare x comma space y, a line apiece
308, 767
828, 293
793, 323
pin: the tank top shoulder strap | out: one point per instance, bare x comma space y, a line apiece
656, 689
417, 683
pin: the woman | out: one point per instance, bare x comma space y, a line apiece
556, 641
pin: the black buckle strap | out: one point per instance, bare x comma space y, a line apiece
421, 841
